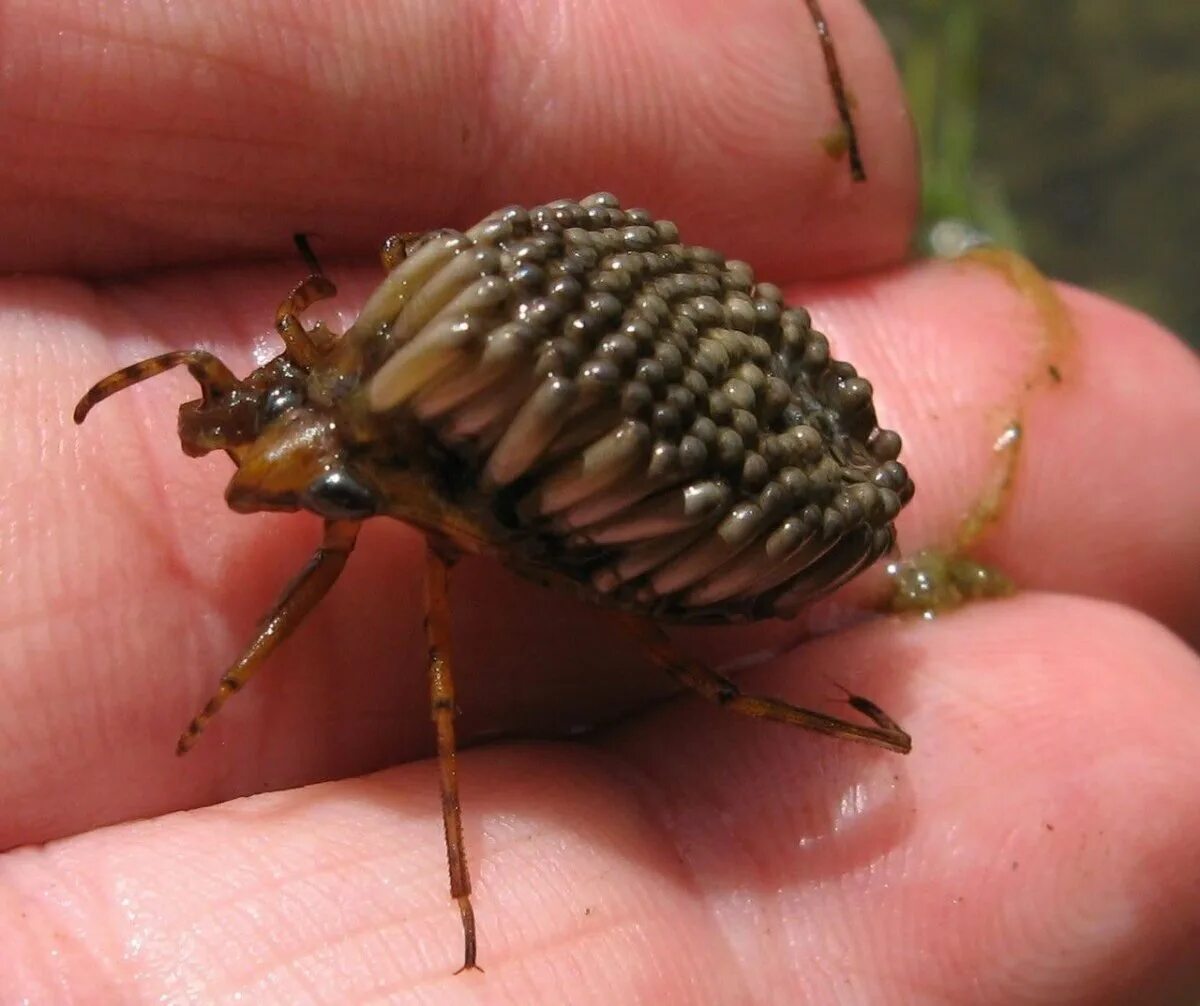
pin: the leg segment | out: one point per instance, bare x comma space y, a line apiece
298, 599
833, 73
886, 733
393, 251
299, 343
441, 696
213, 376
396, 248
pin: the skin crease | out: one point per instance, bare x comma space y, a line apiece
1037, 846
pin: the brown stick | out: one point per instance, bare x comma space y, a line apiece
833, 73
886, 733
297, 600
441, 700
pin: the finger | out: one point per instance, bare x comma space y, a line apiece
1035, 847
138, 587
735, 856
338, 893
138, 137
1091, 504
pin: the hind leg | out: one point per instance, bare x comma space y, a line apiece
886, 733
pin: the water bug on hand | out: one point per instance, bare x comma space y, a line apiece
574, 391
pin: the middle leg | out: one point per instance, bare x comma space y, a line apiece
442, 706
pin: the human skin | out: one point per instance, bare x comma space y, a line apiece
1038, 845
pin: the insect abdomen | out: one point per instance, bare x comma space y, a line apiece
641, 410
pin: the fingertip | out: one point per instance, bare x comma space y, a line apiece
964, 354
716, 115
1051, 816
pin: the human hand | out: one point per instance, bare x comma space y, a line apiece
1037, 846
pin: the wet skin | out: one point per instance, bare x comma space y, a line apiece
1037, 846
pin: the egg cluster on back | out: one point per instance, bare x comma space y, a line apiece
646, 405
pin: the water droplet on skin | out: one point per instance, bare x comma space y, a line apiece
264, 349
1010, 436
861, 820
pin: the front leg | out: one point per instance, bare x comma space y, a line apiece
297, 600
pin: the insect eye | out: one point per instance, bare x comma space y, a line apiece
278, 401
339, 496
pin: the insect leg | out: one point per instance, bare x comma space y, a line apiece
441, 697
397, 247
297, 600
299, 342
833, 73
393, 251
213, 376
716, 688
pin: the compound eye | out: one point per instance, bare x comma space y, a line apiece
337, 495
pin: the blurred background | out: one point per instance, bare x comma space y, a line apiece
1069, 130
